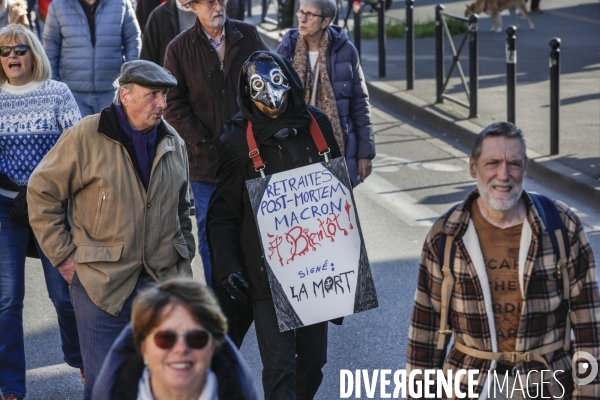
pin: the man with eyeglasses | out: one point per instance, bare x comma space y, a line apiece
124, 173
206, 61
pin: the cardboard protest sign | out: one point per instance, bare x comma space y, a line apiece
314, 250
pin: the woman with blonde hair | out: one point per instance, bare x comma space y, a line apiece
35, 111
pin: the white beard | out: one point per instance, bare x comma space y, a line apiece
503, 204
217, 23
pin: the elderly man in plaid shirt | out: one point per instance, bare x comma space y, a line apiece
489, 275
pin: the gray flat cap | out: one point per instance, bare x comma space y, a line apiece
147, 74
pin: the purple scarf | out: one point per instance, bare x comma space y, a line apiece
144, 145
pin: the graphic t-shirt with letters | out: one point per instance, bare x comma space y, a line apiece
500, 248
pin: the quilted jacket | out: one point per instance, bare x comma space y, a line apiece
350, 90
544, 313
68, 43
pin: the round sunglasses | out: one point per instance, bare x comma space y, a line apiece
20, 50
196, 339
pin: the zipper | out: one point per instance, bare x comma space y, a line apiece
281, 156
98, 221
229, 46
102, 204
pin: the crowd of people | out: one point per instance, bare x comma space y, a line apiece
106, 135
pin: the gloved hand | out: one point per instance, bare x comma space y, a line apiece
236, 284
19, 212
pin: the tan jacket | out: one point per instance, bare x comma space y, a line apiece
117, 228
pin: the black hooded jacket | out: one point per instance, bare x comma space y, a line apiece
231, 227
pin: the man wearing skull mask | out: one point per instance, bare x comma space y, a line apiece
271, 97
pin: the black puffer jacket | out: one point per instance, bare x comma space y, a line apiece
231, 227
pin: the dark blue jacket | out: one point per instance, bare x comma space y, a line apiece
350, 90
123, 368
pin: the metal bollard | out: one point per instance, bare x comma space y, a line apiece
249, 7
511, 73
410, 46
554, 94
381, 38
264, 11
356, 8
473, 65
439, 53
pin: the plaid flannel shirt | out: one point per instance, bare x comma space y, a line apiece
543, 318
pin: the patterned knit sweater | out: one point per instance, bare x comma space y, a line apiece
32, 117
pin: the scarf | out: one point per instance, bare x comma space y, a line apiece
144, 145
325, 96
265, 127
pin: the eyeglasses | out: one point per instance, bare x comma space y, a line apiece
309, 15
213, 3
20, 50
196, 339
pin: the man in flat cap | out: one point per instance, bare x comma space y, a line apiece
124, 173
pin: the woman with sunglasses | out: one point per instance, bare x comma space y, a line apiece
329, 67
34, 112
182, 352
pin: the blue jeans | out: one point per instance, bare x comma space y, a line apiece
99, 329
93, 102
14, 238
202, 192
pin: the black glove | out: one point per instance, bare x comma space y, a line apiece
236, 284
19, 212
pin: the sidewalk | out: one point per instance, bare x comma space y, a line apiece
577, 167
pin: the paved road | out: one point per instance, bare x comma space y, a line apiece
417, 175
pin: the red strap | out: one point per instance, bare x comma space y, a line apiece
254, 153
317, 135
315, 132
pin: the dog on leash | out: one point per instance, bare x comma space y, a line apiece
495, 7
